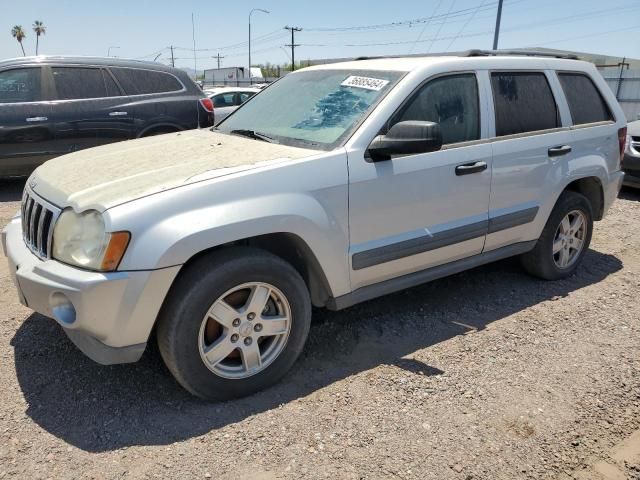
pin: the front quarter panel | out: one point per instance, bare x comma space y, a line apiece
305, 197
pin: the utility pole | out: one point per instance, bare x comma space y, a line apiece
620, 79
496, 33
218, 56
173, 62
251, 13
195, 62
293, 45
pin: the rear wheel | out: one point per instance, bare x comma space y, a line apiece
564, 240
234, 324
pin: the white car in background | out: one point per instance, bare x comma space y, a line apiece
227, 99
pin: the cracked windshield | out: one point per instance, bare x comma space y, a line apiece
313, 108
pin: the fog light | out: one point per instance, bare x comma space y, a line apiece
62, 308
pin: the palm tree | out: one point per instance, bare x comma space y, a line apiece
40, 29
18, 34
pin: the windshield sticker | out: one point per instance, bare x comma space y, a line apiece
367, 83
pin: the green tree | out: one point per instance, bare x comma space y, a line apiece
40, 29
18, 34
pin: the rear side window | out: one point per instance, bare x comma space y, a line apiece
141, 82
244, 96
110, 85
20, 85
523, 103
74, 83
452, 102
585, 101
224, 100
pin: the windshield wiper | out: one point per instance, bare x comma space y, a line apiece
253, 134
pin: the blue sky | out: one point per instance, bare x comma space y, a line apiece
142, 29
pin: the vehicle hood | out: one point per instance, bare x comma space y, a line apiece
110, 175
633, 128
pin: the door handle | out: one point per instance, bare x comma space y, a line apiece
559, 151
469, 168
36, 119
118, 114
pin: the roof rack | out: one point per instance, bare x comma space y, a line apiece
479, 53
524, 53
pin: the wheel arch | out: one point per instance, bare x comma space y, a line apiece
165, 127
292, 249
591, 188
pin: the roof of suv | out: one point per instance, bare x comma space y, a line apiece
406, 64
78, 60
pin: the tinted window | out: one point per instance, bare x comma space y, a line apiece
76, 83
110, 85
140, 82
585, 102
223, 100
523, 103
20, 85
450, 101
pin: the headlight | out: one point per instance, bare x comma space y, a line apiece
80, 239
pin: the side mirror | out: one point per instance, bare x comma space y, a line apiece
406, 138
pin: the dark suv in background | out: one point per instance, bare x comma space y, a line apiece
51, 106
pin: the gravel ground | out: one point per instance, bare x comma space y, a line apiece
489, 374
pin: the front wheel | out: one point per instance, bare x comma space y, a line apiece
564, 240
234, 323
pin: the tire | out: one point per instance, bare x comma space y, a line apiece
542, 262
183, 325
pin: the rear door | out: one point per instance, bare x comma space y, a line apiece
26, 128
528, 154
89, 108
159, 100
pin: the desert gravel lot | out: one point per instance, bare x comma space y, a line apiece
488, 374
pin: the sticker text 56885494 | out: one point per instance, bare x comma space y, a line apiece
367, 83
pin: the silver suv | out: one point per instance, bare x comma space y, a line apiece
337, 184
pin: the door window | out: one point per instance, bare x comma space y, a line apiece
451, 101
585, 102
142, 82
523, 103
20, 85
74, 83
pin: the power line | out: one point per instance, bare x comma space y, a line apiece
426, 24
471, 17
440, 28
450, 14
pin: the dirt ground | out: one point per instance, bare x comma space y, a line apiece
489, 374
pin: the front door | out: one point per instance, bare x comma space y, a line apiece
418, 211
26, 130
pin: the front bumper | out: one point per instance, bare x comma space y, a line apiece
108, 316
631, 167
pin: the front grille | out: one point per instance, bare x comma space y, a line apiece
38, 218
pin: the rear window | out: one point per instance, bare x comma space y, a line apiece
523, 103
20, 85
585, 101
141, 82
74, 83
